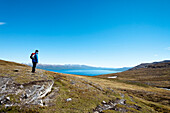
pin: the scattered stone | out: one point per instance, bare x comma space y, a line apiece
111, 105
122, 110
122, 95
98, 109
8, 98
107, 106
69, 99
21, 86
38, 102
8, 105
2, 99
122, 101
104, 102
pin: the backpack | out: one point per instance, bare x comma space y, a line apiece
32, 56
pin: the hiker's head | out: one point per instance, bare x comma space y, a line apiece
36, 51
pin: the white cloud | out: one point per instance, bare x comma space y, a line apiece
2, 23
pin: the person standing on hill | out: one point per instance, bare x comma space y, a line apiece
34, 57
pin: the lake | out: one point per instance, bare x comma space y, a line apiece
86, 72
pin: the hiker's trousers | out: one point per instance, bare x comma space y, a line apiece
34, 66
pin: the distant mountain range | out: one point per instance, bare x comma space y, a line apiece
161, 64
75, 66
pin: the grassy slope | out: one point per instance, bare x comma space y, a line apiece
152, 76
149, 79
86, 92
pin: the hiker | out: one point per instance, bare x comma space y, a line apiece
34, 57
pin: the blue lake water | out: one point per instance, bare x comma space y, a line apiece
86, 72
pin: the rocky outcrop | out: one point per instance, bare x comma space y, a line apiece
32, 93
115, 105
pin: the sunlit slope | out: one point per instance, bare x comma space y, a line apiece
44, 91
153, 74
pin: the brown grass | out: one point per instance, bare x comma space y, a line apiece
88, 92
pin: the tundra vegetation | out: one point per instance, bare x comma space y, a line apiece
44, 91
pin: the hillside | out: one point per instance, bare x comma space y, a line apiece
155, 74
162, 64
44, 91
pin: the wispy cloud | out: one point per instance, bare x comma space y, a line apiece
2, 23
168, 48
155, 55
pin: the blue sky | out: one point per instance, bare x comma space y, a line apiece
106, 33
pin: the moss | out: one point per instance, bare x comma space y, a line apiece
14, 98
21, 109
127, 108
152, 106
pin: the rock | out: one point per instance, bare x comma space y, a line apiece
122, 95
31, 93
2, 99
98, 109
38, 102
122, 110
111, 105
21, 86
122, 101
8, 105
103, 102
107, 106
69, 99
8, 98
